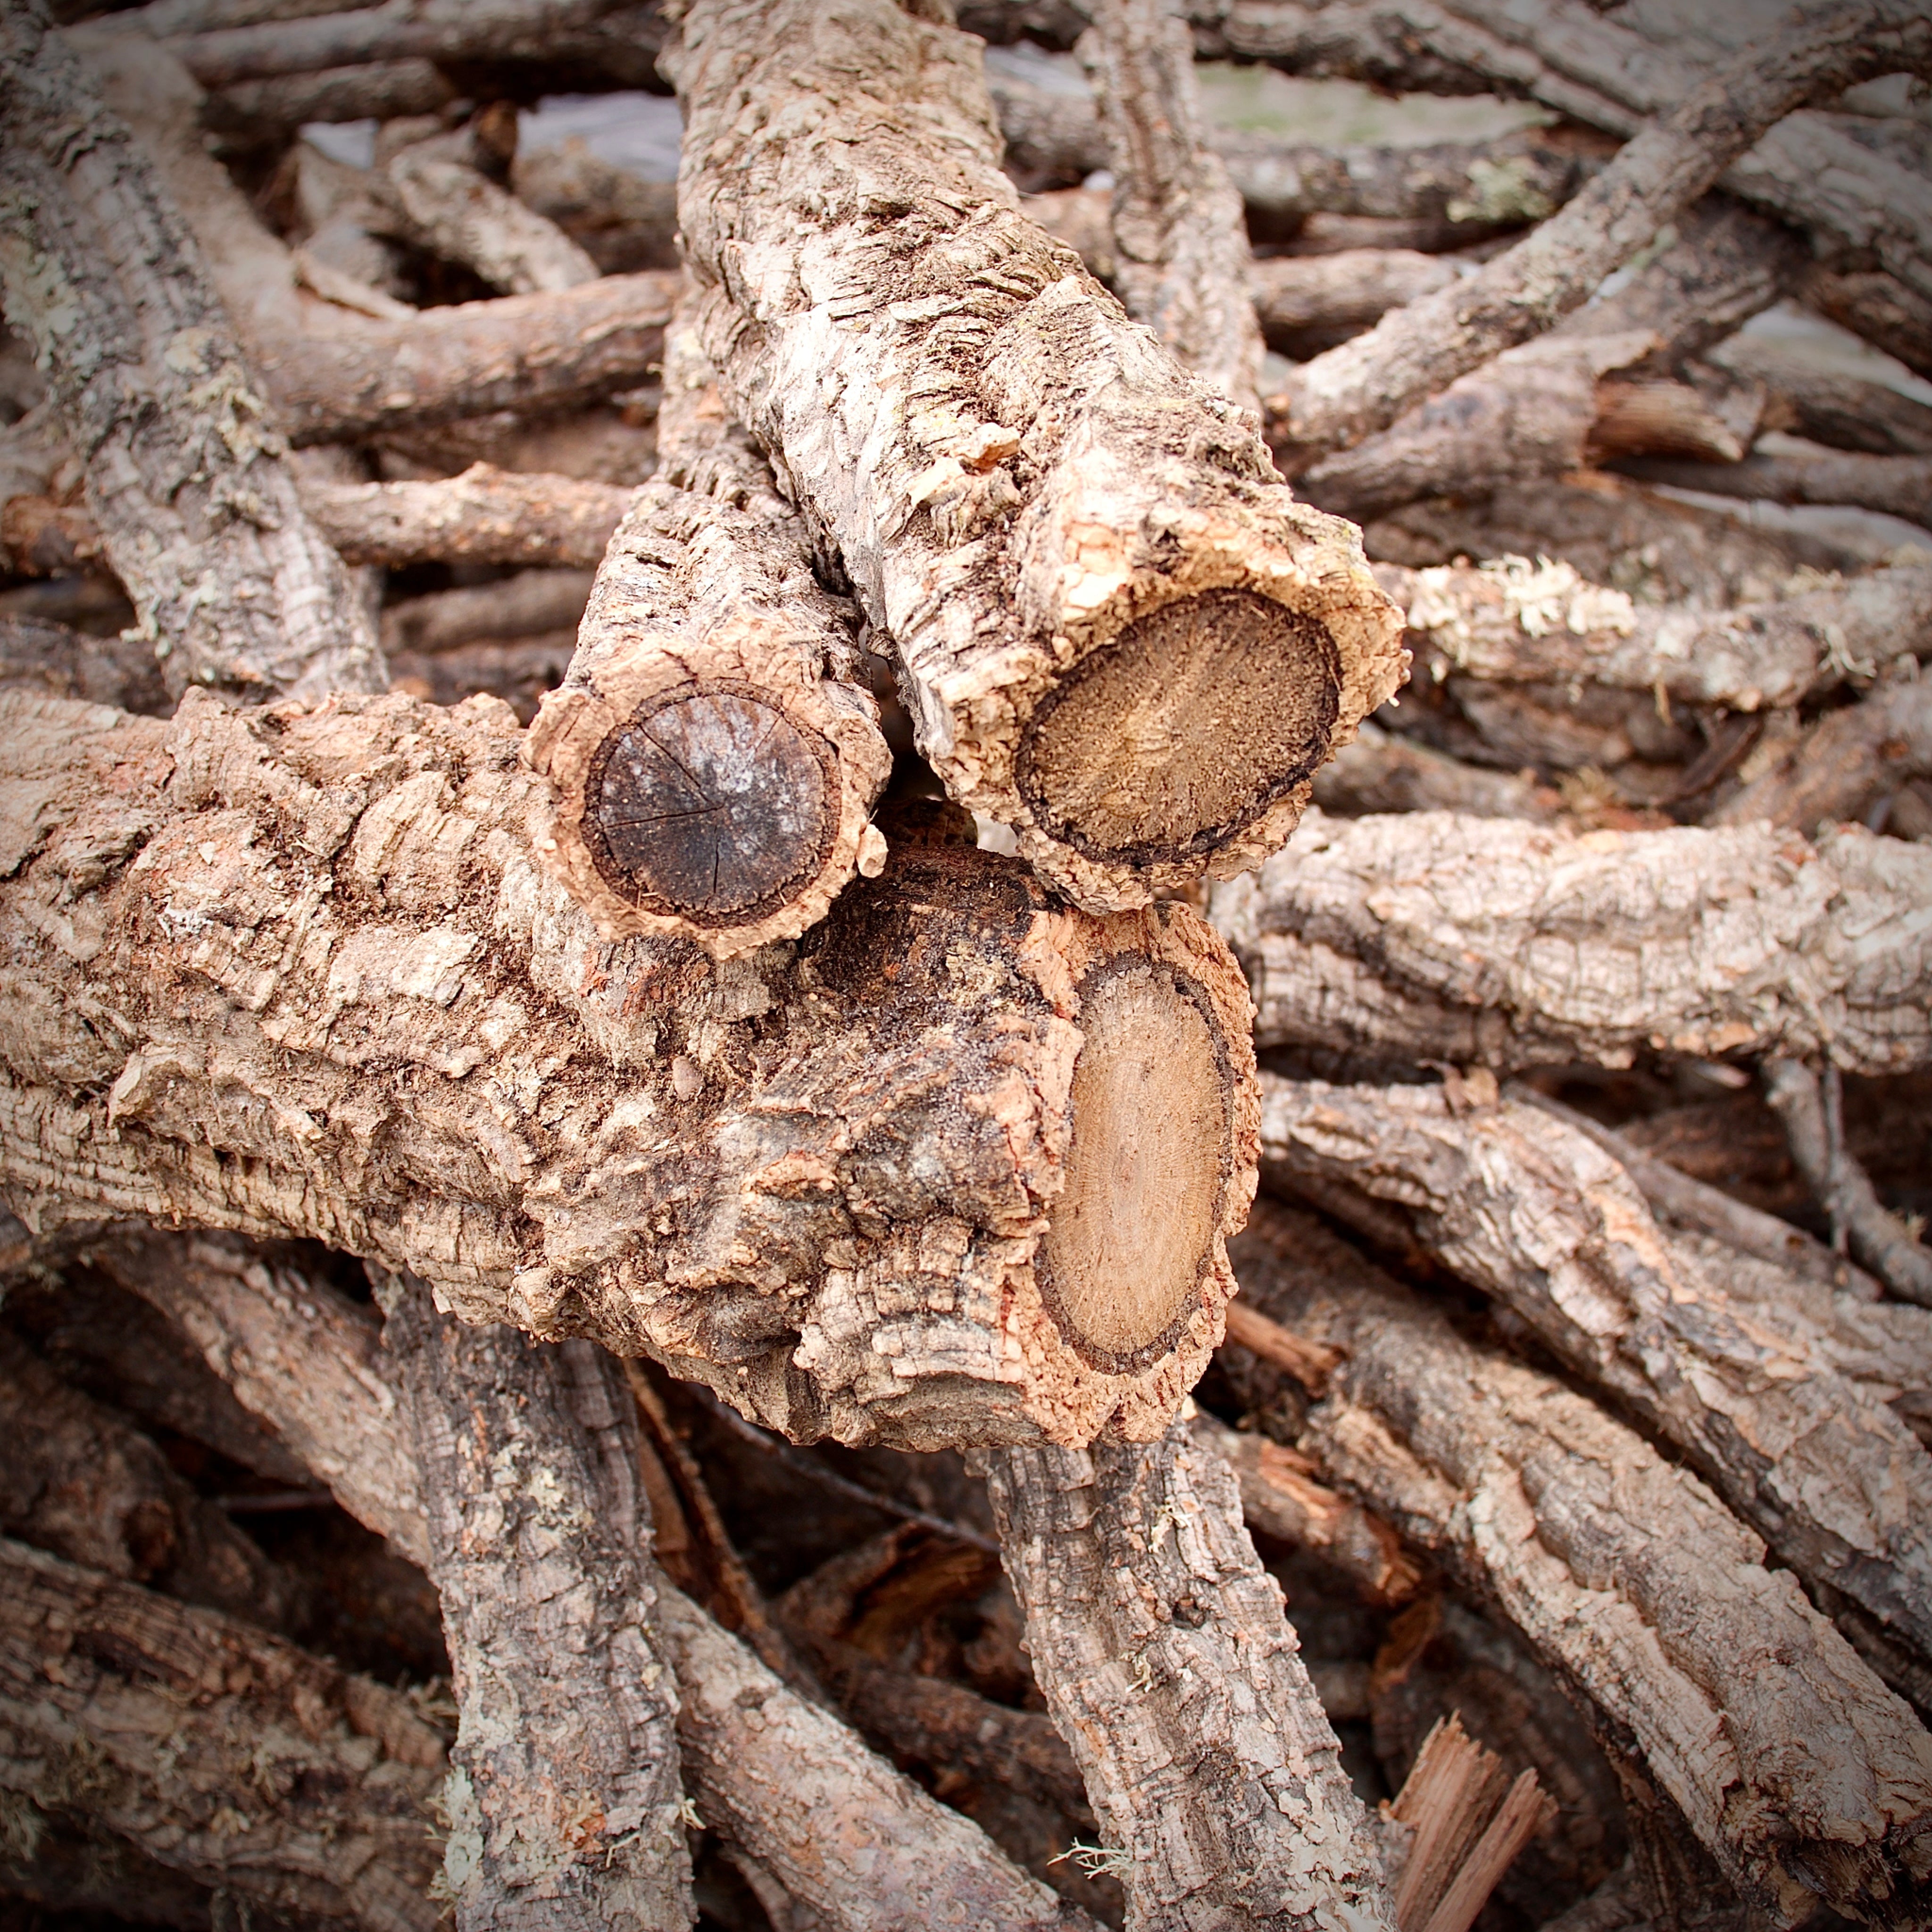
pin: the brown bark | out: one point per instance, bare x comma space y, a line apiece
520, 673
1887, 313
77, 1480
1366, 384
781, 1778
1512, 622
623, 222
1323, 299
219, 1750
1850, 758
1394, 942
532, 603
486, 515
1841, 411
266, 114
186, 479
1814, 1127
1169, 1669
715, 749
1537, 1216
1380, 773
51, 661
564, 1802
1899, 486
844, 1187
1800, 1774
1181, 245
1068, 538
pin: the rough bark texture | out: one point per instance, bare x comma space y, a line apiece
564, 1802
1899, 486
1887, 313
335, 997
1628, 1578
1438, 937
1298, 297
1182, 266
775, 1772
1078, 553
715, 749
1159, 1642
221, 1751
1380, 773
51, 661
1537, 1216
486, 515
1363, 385
1847, 760
186, 476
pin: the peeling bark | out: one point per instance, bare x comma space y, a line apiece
842, 1185
1537, 1216
1169, 1669
1394, 942
1065, 536
1802, 1775
186, 476
219, 1750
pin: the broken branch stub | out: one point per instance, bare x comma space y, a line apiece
883, 1187
1116, 630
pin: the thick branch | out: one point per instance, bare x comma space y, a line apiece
1899, 486
185, 478
1081, 556
486, 515
1393, 942
1537, 1216
1169, 1667
1362, 386
564, 1802
1799, 1772
218, 1750
336, 998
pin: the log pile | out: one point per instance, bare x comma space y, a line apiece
1018, 1020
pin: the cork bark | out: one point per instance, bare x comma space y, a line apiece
1078, 553
879, 1188
1436, 936
1629, 1578
715, 750
564, 1800
772, 1771
1538, 1216
221, 1751
1169, 1667
186, 475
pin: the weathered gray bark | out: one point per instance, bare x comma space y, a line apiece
770, 1770
715, 749
1843, 1189
623, 222
486, 515
1380, 773
1181, 245
1080, 555
1537, 1216
1388, 943
1364, 385
1298, 297
1512, 622
1899, 486
843, 1186
1842, 411
219, 1750
1794, 1767
564, 1804
186, 477
1169, 1667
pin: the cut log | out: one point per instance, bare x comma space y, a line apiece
564, 1807
1798, 1770
1849, 759
1814, 1126
715, 749
77, 1480
773, 1772
1181, 246
1308, 303
221, 1751
1435, 936
1511, 621
885, 1189
1843, 411
1169, 1669
1365, 385
1898, 486
186, 480
1537, 1216
1079, 554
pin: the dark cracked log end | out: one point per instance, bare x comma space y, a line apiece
1182, 730
709, 804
